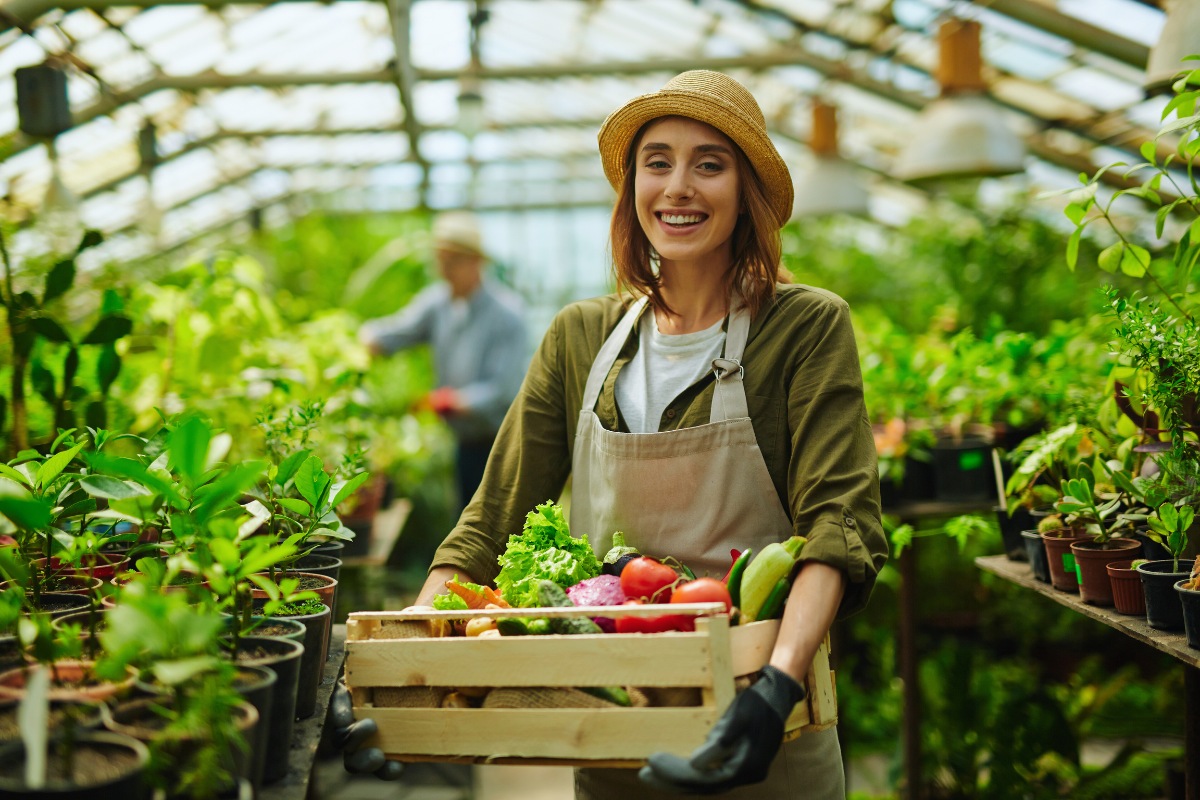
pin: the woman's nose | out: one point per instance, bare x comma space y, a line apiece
679, 187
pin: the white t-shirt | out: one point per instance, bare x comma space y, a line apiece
663, 367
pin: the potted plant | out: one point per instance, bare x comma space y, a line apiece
1128, 597
289, 604
1035, 547
283, 657
1057, 538
1169, 526
1189, 597
1101, 518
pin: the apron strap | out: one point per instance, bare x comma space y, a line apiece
729, 393
609, 352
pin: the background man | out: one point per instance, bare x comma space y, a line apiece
477, 330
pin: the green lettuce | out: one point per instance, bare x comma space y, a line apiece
451, 601
543, 550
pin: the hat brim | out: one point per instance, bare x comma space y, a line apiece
617, 132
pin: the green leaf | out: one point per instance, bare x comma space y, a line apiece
173, 673
49, 330
1148, 151
225, 552
289, 466
53, 466
344, 490
257, 562
225, 492
90, 239
59, 280
310, 480
1186, 517
1134, 261
344, 534
1168, 515
1073, 248
1110, 257
1074, 212
108, 366
25, 512
267, 585
12, 474
111, 488
295, 504
109, 330
188, 445
78, 509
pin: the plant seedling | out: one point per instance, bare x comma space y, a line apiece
1169, 526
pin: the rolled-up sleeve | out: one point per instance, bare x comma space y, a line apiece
529, 464
833, 472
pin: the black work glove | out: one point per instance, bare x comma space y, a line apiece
349, 736
740, 747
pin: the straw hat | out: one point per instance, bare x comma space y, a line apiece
709, 97
458, 231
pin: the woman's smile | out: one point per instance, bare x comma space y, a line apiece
680, 223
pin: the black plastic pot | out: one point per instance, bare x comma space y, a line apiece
1151, 550
311, 666
128, 786
331, 548
1190, 598
257, 686
1035, 554
919, 482
1164, 610
59, 604
284, 660
323, 564
296, 634
963, 470
1010, 529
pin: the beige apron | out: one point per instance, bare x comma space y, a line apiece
691, 493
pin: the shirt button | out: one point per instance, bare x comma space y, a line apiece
670, 413
850, 522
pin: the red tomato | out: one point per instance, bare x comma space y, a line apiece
646, 578
667, 622
703, 590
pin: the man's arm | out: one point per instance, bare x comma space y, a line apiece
409, 326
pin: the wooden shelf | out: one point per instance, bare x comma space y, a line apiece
937, 508
1019, 572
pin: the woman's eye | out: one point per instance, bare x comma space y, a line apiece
711, 166
658, 163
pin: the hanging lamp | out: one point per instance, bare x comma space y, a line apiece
962, 134
1180, 37
833, 185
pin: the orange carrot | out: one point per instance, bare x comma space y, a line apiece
473, 599
494, 597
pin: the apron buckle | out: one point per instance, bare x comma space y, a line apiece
724, 367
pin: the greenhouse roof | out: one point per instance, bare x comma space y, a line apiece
259, 107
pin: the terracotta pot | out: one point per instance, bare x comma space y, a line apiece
1062, 561
12, 683
1127, 592
70, 584
103, 566
1091, 562
324, 592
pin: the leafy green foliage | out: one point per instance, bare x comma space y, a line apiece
544, 550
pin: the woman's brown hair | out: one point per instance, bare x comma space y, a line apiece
756, 246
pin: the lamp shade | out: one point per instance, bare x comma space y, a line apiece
470, 113
832, 186
960, 137
963, 134
1180, 37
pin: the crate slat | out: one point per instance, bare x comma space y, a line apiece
560, 733
686, 609
751, 645
680, 659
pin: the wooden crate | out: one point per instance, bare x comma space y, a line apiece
396, 648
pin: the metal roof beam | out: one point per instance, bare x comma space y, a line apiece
1049, 19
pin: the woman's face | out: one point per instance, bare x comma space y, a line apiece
686, 188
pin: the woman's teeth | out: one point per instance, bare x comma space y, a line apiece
677, 219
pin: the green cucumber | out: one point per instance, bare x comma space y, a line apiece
774, 605
613, 694
551, 595
574, 625
512, 627
539, 627
735, 576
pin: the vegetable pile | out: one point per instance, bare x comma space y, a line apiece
544, 566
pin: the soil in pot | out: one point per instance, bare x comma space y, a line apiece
963, 469
139, 720
283, 657
63, 584
1011, 527
106, 767
323, 564
1164, 610
312, 663
257, 686
1190, 600
1128, 596
103, 566
1060, 558
1035, 553
322, 585
72, 681
60, 605
87, 718
1091, 564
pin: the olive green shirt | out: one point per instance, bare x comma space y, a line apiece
805, 395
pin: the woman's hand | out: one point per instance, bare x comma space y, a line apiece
741, 746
